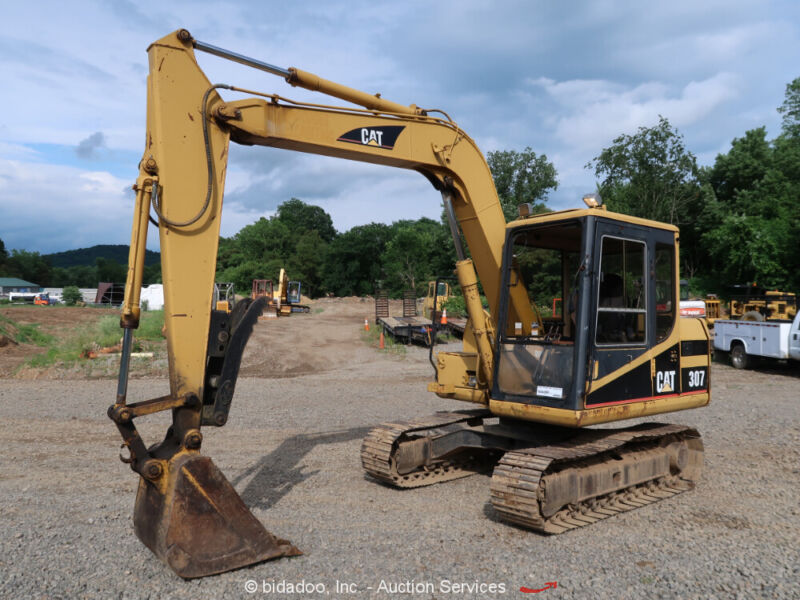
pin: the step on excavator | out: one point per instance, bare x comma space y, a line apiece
619, 352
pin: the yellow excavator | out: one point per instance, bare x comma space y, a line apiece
438, 293
619, 352
286, 298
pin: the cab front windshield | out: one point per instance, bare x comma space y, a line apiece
536, 360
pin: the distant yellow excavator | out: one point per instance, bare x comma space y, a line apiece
438, 294
619, 353
286, 299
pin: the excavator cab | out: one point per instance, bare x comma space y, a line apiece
618, 340
293, 293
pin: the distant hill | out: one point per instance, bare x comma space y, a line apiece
86, 256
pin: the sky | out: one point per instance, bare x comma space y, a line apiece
564, 78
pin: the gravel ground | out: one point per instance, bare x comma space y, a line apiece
291, 448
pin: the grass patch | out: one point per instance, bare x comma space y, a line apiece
23, 334
446, 337
373, 337
105, 333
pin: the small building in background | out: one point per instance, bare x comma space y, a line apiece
152, 297
88, 295
14, 284
111, 294
56, 294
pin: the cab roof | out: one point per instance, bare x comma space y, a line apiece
578, 213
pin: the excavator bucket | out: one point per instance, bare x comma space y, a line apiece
194, 521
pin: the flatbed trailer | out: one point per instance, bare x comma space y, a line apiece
455, 326
408, 329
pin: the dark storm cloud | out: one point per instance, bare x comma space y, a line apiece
88, 147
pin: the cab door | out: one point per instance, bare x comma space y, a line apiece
634, 342
620, 328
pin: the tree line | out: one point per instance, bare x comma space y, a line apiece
404, 255
739, 220
37, 268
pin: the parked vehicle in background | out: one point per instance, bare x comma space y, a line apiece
714, 309
37, 298
224, 296
21, 297
754, 303
691, 307
435, 300
746, 340
42, 300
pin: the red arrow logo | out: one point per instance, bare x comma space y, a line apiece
548, 585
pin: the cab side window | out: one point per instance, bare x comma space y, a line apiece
622, 294
665, 290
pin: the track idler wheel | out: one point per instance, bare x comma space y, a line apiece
191, 517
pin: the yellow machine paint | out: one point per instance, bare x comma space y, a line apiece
435, 298
186, 511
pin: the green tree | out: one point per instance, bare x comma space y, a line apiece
228, 254
300, 217
296, 239
751, 220
71, 295
521, 177
649, 174
741, 168
242, 275
30, 266
790, 109
352, 266
79, 275
152, 274
263, 240
746, 248
406, 259
110, 271
307, 263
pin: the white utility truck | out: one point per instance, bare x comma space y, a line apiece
748, 339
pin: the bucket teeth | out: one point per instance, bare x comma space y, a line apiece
197, 524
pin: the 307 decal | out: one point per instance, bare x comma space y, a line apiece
694, 379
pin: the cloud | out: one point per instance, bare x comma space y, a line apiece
49, 208
33, 60
87, 148
353, 193
16, 151
596, 111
